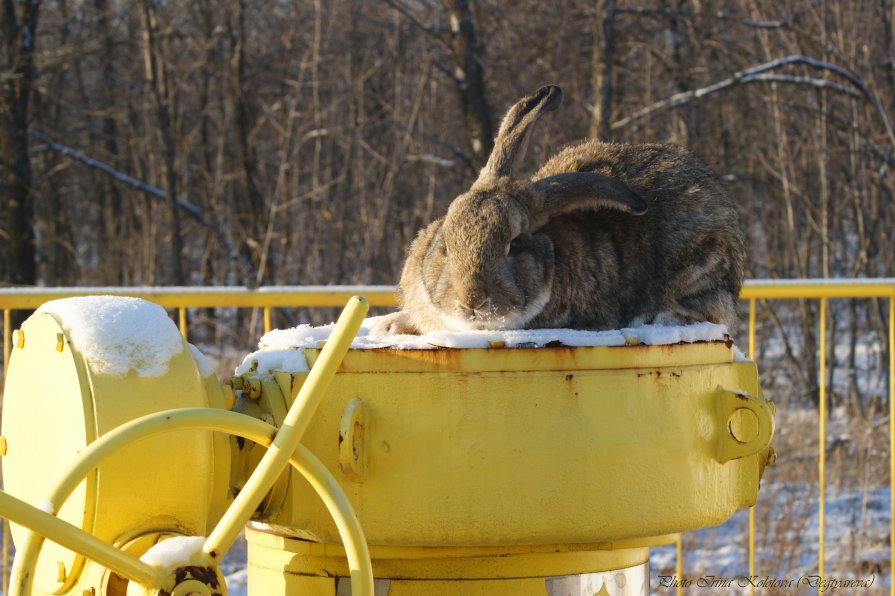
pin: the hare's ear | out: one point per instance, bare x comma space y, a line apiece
563, 193
515, 131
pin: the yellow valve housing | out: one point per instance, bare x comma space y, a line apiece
507, 464
57, 401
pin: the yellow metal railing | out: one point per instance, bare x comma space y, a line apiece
824, 290
267, 298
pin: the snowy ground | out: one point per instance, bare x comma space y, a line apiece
234, 568
856, 543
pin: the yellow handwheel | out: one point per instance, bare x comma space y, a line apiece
155, 578
94, 399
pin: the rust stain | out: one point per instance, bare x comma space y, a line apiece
206, 575
551, 357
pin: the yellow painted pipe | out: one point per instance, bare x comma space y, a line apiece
181, 320
202, 297
892, 444
294, 425
311, 296
356, 550
752, 509
5, 556
7, 338
233, 423
7, 346
76, 539
818, 288
822, 435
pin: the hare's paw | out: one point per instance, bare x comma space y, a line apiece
396, 323
668, 318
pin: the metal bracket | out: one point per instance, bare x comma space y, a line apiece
748, 424
352, 458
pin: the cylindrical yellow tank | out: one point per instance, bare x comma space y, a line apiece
517, 467
81, 367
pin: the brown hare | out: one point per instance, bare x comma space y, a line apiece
605, 235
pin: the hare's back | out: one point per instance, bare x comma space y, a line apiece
688, 241
659, 171
686, 199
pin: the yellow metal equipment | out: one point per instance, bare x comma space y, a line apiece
146, 526
55, 404
498, 471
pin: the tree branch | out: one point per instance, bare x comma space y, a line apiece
766, 24
188, 207
756, 74
417, 23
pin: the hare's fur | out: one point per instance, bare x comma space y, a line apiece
605, 235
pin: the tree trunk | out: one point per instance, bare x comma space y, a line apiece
601, 69
18, 28
469, 79
245, 152
158, 80
114, 224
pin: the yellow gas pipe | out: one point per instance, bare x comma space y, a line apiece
287, 440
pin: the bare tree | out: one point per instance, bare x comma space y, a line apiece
469, 78
18, 37
601, 68
114, 228
248, 200
157, 76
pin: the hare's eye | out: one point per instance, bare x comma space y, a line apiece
515, 246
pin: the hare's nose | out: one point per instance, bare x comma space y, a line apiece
471, 307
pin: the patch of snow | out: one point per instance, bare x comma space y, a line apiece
523, 338
663, 335
202, 363
256, 525
233, 567
287, 360
280, 349
306, 336
173, 551
237, 582
117, 334
856, 539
